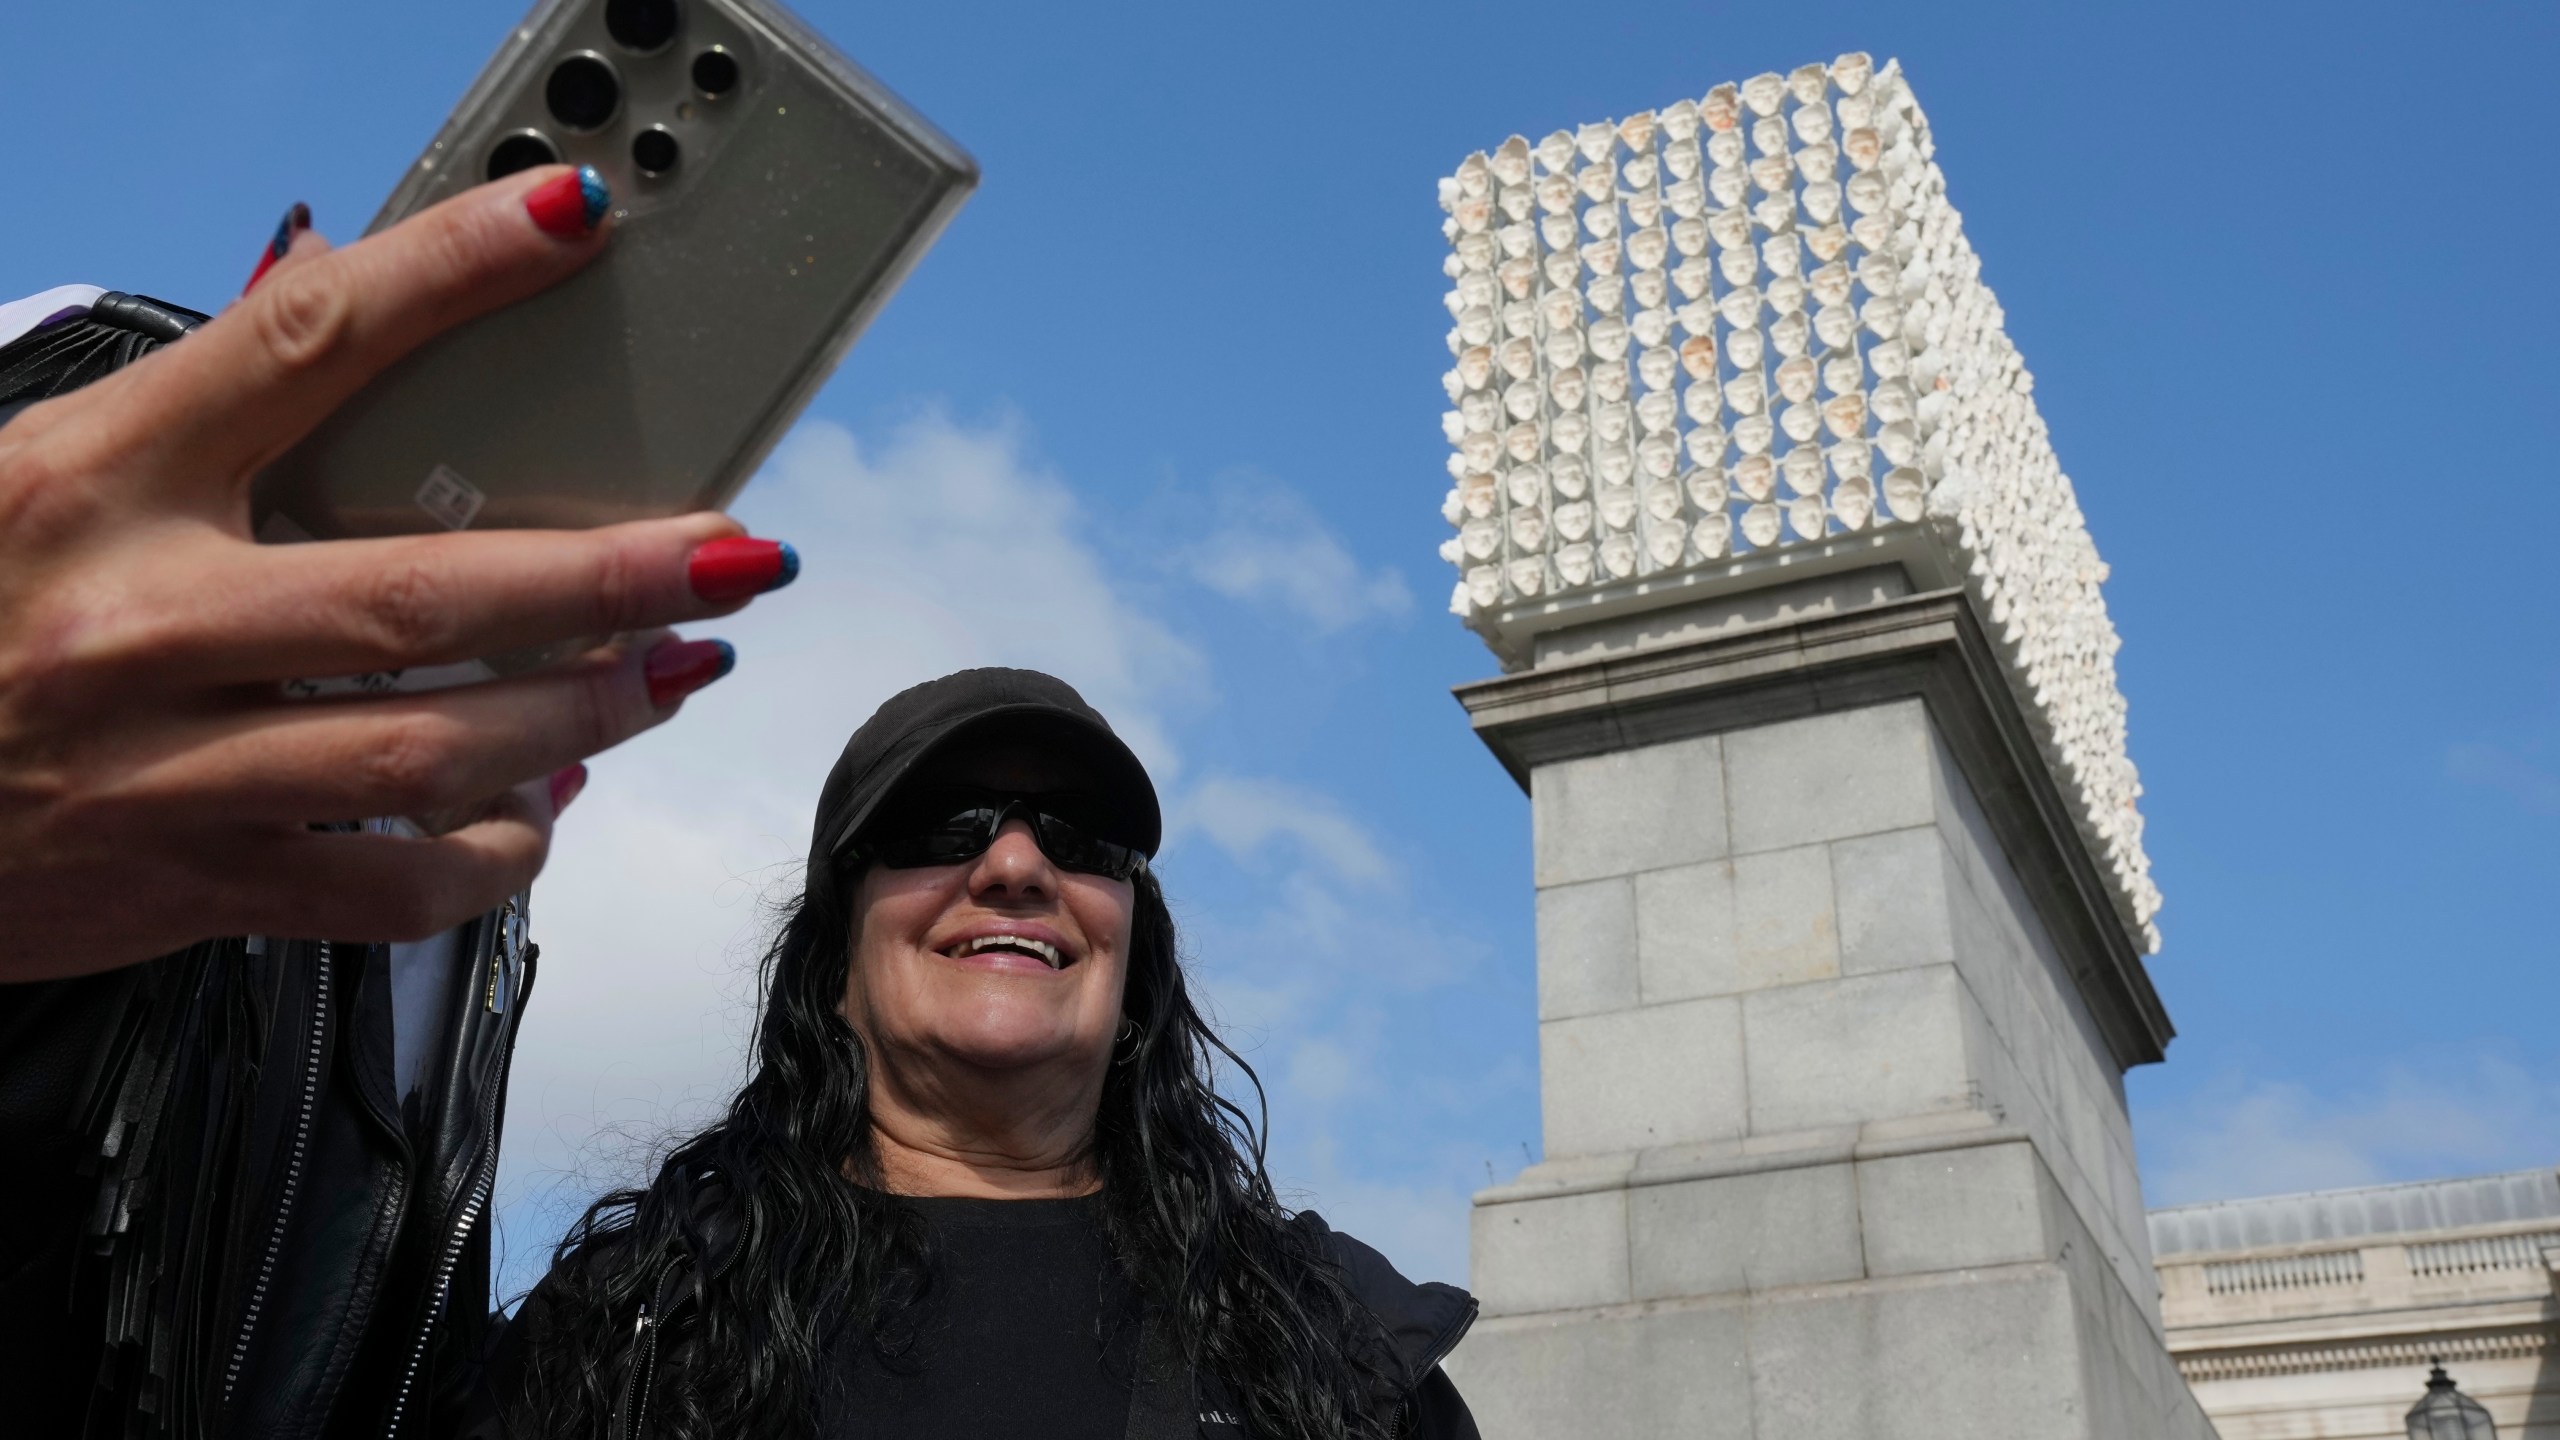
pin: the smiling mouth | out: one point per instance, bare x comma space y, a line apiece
1040, 950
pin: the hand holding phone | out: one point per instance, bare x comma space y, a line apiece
155, 788
767, 196
495, 356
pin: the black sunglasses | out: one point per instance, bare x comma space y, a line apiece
947, 826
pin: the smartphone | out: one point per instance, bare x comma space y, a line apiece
768, 196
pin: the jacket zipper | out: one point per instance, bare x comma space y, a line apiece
484, 1179
292, 1173
644, 1360
633, 1417
512, 952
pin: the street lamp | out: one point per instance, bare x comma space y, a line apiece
2447, 1413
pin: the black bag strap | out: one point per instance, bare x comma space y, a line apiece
1163, 1405
59, 358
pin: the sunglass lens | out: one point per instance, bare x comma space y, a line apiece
963, 834
1079, 850
955, 836
937, 835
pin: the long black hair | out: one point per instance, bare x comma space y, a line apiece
778, 1210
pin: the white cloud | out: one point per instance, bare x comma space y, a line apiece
2274, 1137
1420, 1225
1324, 1070
1319, 979
1270, 547
2531, 785
1242, 816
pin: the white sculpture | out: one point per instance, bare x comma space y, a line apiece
1698, 338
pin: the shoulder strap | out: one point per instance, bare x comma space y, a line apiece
1162, 1407
81, 342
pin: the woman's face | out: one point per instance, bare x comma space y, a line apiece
926, 984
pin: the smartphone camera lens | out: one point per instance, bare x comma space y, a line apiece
715, 72
521, 151
583, 92
642, 25
654, 151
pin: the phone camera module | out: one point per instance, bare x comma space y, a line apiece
583, 93
643, 25
655, 151
715, 72
520, 151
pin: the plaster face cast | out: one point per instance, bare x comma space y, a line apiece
1817, 261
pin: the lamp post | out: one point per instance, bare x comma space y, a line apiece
2447, 1413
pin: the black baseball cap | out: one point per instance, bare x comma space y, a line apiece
978, 707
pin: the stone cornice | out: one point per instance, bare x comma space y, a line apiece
1931, 647
2406, 1349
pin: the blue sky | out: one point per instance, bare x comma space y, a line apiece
1161, 412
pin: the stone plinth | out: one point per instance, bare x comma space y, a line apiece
1834, 1013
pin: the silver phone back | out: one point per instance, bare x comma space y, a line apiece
654, 381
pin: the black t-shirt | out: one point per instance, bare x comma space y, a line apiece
1026, 1327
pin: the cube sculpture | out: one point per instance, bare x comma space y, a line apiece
1842, 900
1815, 359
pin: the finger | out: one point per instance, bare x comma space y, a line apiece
257, 377
306, 245
295, 224
344, 607
535, 793
418, 755
564, 786
230, 878
369, 887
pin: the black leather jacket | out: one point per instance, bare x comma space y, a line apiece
217, 1219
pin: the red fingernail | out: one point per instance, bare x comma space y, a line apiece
736, 568
295, 221
565, 785
680, 667
571, 205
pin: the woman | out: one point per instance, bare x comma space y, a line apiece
980, 1182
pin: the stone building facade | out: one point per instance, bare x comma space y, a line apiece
2314, 1316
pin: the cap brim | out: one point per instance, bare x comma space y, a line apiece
1085, 747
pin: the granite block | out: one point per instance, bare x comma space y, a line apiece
1684, 932
1629, 810
1586, 948
1666, 1074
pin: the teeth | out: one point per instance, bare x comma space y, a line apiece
1048, 953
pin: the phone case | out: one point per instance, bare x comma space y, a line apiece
654, 381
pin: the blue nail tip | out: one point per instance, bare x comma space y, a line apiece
790, 570
295, 221
593, 192
728, 657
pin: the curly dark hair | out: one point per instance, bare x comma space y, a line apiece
778, 1208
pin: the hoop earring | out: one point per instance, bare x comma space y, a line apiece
1128, 1032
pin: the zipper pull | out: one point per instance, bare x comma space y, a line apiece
505, 956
